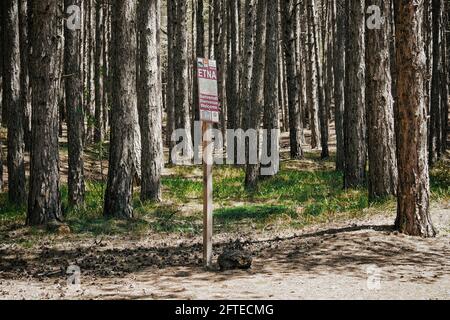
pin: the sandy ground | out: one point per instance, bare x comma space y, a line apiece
360, 259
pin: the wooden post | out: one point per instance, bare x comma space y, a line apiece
207, 194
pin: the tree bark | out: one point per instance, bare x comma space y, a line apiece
355, 114
413, 217
295, 125
257, 90
170, 88
25, 103
119, 191
98, 71
233, 109
181, 76
75, 114
380, 110
149, 101
339, 80
436, 139
271, 106
44, 202
247, 69
12, 103
312, 82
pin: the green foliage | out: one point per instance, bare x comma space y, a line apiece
304, 192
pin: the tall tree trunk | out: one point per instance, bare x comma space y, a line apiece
182, 119
436, 122
413, 216
312, 82
25, 103
445, 77
119, 191
75, 114
220, 46
247, 69
1, 92
295, 125
323, 109
98, 71
200, 52
271, 106
233, 107
44, 202
355, 115
257, 90
12, 102
339, 80
380, 110
149, 101
170, 88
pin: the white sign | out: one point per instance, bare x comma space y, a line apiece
207, 88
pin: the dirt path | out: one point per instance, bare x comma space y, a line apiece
358, 260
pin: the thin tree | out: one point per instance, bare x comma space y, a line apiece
11, 91
44, 201
119, 190
181, 77
98, 71
413, 216
257, 90
75, 112
271, 107
339, 79
233, 106
295, 126
149, 100
355, 113
25, 103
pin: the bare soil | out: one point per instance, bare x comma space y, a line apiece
332, 261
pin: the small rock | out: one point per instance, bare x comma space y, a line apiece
235, 259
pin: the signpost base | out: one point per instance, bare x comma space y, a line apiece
207, 194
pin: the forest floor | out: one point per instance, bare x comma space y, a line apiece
309, 238
358, 259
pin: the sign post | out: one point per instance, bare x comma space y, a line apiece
209, 113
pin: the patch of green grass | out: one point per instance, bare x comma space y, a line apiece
10, 212
440, 180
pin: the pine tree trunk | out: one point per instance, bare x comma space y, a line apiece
119, 191
380, 110
257, 89
339, 80
181, 76
1, 94
413, 216
149, 101
75, 114
436, 139
271, 107
355, 115
25, 103
323, 110
170, 88
199, 52
220, 46
295, 125
312, 83
44, 203
12, 102
98, 71
247, 69
233, 110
